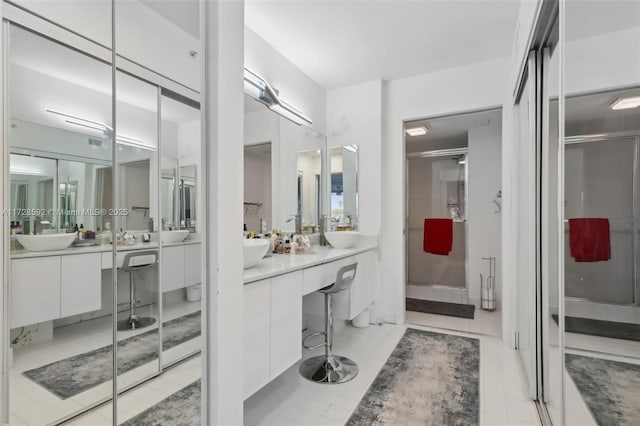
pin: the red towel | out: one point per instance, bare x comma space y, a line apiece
589, 239
438, 236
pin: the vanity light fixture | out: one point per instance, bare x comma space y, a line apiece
259, 88
417, 131
626, 103
30, 172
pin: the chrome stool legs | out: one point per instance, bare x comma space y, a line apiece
135, 322
328, 368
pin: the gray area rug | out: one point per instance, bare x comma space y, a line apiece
180, 409
441, 308
429, 379
609, 388
71, 376
612, 329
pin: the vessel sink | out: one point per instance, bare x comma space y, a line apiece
342, 239
254, 250
174, 236
46, 242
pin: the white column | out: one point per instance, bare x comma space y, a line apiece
223, 172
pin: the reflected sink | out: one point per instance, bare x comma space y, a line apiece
254, 251
46, 242
342, 239
174, 236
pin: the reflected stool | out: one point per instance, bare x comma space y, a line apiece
128, 265
330, 368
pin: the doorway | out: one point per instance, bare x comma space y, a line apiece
453, 207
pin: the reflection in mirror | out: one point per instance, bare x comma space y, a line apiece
257, 188
309, 167
344, 187
601, 212
169, 193
188, 198
60, 310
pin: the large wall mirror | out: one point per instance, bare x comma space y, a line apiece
105, 243
292, 160
344, 187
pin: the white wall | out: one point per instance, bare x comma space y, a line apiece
295, 87
223, 157
354, 117
484, 224
257, 189
472, 87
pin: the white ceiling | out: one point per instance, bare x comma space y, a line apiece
339, 43
451, 131
184, 13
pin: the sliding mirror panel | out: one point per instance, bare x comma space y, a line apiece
137, 209
601, 229
178, 227
159, 162
60, 287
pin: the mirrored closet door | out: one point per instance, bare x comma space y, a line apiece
105, 284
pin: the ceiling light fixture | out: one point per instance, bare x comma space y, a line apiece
88, 126
626, 103
258, 88
417, 131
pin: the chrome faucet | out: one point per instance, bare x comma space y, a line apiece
41, 221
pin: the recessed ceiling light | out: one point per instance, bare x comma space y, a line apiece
417, 131
626, 103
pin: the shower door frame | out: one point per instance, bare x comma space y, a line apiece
635, 227
430, 154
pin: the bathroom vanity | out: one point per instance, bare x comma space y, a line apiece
273, 301
73, 277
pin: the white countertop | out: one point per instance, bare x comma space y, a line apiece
279, 264
20, 254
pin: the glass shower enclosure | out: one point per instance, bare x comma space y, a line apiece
436, 188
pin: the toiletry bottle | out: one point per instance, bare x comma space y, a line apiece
287, 246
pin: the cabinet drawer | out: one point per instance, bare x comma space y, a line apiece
81, 284
172, 268
321, 276
192, 264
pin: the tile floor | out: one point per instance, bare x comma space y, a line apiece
31, 404
291, 400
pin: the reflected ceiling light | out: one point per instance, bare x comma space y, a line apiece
584, 138
462, 160
258, 88
417, 131
136, 143
75, 117
352, 148
88, 126
626, 103
18, 171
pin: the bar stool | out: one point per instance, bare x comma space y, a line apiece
330, 368
134, 322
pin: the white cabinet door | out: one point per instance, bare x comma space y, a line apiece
35, 290
192, 264
286, 321
172, 268
81, 283
256, 336
361, 293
